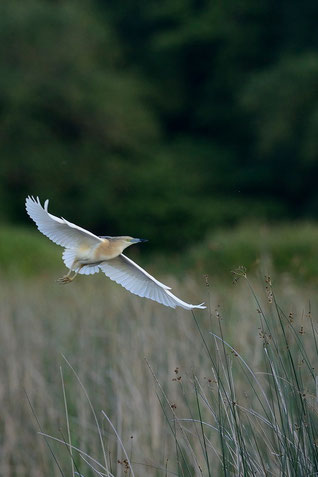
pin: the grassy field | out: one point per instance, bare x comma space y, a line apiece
142, 390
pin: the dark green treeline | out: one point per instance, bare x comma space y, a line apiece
159, 119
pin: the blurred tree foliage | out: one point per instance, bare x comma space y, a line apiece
159, 119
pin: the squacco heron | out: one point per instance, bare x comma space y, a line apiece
86, 253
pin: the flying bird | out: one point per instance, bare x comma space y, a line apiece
86, 253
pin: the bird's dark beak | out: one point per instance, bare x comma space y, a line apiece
137, 240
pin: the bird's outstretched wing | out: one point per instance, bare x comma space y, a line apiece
59, 230
131, 276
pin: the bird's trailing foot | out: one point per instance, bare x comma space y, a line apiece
66, 279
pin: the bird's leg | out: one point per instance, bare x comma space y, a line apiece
67, 278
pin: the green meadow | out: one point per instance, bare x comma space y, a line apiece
96, 381
289, 249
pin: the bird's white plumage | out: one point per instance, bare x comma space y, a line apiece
69, 256
131, 276
121, 269
57, 229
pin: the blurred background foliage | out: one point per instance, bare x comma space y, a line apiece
163, 120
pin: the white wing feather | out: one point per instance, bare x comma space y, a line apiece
131, 276
58, 230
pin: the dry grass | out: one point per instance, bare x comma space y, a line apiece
106, 334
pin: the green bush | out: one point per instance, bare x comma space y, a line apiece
289, 249
27, 252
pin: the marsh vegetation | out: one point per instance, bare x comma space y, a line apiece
226, 391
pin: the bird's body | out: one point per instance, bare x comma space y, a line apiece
105, 250
86, 253
108, 249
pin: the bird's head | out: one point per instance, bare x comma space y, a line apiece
126, 241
